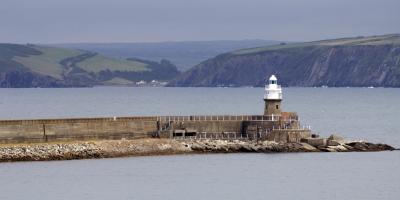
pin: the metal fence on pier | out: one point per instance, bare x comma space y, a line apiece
222, 118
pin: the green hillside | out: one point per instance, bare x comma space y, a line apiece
48, 62
392, 39
100, 63
43, 66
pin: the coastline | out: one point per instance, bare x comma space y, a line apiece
71, 150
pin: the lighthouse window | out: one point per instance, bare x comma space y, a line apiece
277, 106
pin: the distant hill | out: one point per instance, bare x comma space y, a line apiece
358, 61
183, 54
44, 66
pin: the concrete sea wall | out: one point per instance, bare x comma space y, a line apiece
223, 126
208, 126
81, 128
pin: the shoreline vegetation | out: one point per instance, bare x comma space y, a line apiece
71, 150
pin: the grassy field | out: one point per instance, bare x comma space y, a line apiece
47, 63
118, 81
98, 63
393, 39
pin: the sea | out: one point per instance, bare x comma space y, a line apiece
371, 114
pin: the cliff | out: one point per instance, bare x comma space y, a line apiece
44, 66
356, 62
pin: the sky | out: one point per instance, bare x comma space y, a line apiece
73, 21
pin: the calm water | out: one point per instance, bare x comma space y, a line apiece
372, 114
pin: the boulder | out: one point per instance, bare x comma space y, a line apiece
335, 137
366, 146
333, 143
330, 149
358, 146
197, 147
308, 147
348, 147
337, 148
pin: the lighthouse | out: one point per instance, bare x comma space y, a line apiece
272, 97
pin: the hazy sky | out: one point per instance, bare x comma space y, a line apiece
59, 21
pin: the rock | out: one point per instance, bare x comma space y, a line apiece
333, 143
254, 147
365, 146
234, 147
348, 147
335, 137
337, 148
268, 143
323, 149
308, 147
197, 147
113, 148
330, 149
245, 148
168, 146
358, 146
291, 147
335, 140
378, 147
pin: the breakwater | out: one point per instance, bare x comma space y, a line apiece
145, 147
215, 126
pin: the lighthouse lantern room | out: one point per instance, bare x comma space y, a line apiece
272, 97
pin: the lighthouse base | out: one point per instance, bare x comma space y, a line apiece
272, 107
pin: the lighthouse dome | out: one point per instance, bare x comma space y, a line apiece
273, 78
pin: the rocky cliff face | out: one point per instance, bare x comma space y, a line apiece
24, 79
359, 62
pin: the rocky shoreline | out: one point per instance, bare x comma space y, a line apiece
146, 147
274, 147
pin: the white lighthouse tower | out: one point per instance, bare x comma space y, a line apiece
272, 97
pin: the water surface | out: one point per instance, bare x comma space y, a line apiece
371, 114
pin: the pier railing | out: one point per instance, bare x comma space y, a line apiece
225, 118
238, 135
283, 117
222, 136
75, 120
